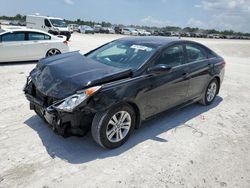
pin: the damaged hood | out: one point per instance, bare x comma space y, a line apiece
62, 75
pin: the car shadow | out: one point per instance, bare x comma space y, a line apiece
77, 150
17, 63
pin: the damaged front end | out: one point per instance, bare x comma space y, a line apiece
60, 90
66, 116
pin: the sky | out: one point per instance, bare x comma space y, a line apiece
207, 14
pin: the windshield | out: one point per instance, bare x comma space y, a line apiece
58, 23
123, 54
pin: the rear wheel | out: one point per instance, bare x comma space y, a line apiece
211, 92
112, 128
53, 52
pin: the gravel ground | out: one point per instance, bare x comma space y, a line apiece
194, 147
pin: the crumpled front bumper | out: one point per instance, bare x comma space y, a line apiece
63, 123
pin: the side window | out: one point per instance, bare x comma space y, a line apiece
194, 53
47, 23
172, 56
11, 37
47, 37
211, 54
37, 36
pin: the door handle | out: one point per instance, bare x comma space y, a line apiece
186, 75
210, 65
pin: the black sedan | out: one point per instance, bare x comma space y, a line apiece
112, 89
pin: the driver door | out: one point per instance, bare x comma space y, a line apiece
169, 88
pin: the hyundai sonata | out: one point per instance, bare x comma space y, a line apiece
112, 89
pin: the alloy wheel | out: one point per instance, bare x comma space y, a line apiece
53, 52
211, 91
118, 126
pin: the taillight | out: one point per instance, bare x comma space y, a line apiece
65, 42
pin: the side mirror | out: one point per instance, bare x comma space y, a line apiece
158, 69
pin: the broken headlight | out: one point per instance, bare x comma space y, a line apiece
71, 102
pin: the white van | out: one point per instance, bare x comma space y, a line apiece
55, 26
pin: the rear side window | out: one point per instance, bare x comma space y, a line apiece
211, 54
12, 37
38, 36
194, 53
172, 56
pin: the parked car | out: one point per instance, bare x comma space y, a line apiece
118, 30
166, 33
52, 25
104, 30
97, 28
29, 45
111, 30
14, 22
126, 31
175, 34
159, 33
215, 36
17, 23
143, 32
22, 23
86, 29
112, 89
73, 27
107, 30
129, 31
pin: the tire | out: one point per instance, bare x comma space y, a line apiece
211, 92
52, 52
103, 125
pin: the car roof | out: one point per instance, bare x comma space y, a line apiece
153, 40
7, 30
48, 17
158, 41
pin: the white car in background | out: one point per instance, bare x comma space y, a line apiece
111, 30
129, 31
29, 45
143, 32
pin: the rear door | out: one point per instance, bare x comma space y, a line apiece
199, 67
12, 47
168, 89
37, 45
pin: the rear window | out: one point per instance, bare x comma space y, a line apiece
210, 53
38, 36
195, 53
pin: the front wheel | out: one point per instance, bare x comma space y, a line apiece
211, 92
112, 128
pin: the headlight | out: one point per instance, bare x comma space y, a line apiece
70, 103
